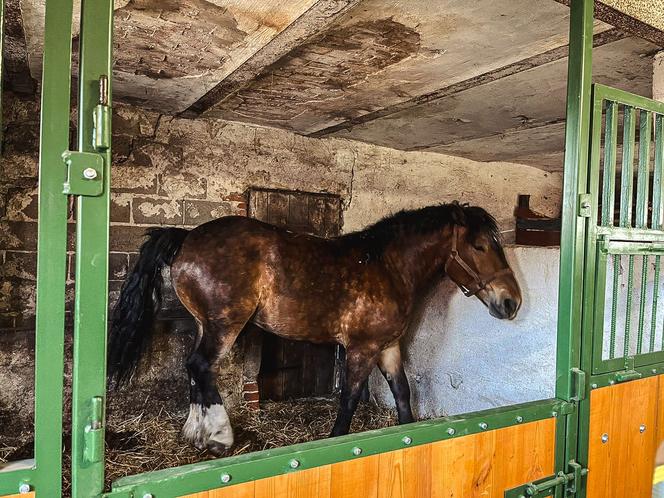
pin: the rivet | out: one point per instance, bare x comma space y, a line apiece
594, 386
605, 438
89, 173
451, 431
642, 428
225, 478
654, 370
484, 426
407, 440
24, 488
612, 382
147, 495
554, 414
294, 464
357, 451
519, 419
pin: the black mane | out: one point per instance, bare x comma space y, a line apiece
423, 221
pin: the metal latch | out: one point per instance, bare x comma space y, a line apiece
579, 379
93, 438
584, 206
85, 172
101, 134
548, 486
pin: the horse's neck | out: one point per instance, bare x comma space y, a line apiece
420, 259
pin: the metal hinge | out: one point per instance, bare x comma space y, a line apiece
550, 485
85, 170
93, 439
585, 206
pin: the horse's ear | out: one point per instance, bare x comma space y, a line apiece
458, 214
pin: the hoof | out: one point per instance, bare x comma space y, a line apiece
208, 428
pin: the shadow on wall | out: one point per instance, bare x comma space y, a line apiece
460, 359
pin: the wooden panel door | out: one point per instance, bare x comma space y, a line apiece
623, 439
293, 369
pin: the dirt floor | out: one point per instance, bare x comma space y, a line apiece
146, 442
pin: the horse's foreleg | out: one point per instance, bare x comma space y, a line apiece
359, 364
391, 366
208, 425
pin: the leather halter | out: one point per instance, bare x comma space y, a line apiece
479, 282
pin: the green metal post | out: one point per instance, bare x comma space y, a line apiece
575, 182
52, 248
91, 303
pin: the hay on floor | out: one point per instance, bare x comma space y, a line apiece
146, 443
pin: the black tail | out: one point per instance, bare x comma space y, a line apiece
139, 302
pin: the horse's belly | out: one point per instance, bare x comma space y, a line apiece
296, 325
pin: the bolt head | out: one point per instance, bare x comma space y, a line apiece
147, 495
605, 438
642, 428
654, 370
407, 440
24, 488
519, 419
451, 431
357, 451
483, 426
225, 478
554, 414
594, 386
294, 464
89, 173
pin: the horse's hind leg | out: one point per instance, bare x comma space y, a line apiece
391, 366
359, 364
208, 425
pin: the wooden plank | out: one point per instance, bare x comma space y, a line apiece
258, 204
244, 490
406, 473
623, 466
278, 209
298, 216
488, 463
659, 440
482, 465
312, 483
24, 495
355, 478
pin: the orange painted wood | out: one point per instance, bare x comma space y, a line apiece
486, 464
623, 466
355, 478
244, 490
26, 495
482, 465
312, 483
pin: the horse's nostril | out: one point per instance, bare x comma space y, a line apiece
509, 305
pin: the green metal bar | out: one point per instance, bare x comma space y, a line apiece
52, 248
629, 134
642, 303
614, 305
657, 185
206, 475
628, 307
573, 248
91, 302
643, 174
609, 181
627, 98
655, 297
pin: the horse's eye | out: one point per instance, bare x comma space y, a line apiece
480, 248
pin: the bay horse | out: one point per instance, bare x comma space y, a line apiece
359, 290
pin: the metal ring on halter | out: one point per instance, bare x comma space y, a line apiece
479, 283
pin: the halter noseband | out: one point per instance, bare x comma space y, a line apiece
478, 283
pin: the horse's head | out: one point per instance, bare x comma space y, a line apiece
477, 262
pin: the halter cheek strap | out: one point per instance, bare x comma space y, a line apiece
478, 282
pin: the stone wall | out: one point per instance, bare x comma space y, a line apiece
179, 172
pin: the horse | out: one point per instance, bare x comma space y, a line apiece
360, 290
